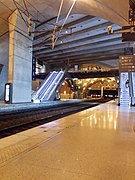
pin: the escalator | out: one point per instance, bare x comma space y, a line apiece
47, 90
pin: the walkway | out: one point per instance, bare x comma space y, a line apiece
96, 144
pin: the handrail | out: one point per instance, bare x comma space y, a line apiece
54, 85
47, 86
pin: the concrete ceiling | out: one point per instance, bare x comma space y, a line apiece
84, 38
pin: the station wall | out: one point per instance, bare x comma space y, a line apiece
4, 55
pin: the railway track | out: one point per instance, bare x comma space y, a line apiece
17, 121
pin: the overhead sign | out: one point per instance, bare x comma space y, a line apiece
127, 64
128, 51
128, 37
129, 34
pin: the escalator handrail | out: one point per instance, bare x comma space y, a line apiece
47, 86
51, 84
54, 85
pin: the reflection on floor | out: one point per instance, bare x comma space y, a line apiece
95, 144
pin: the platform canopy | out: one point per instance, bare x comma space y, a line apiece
83, 38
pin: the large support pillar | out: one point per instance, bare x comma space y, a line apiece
20, 58
132, 87
133, 79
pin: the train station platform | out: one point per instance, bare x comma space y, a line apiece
24, 106
95, 144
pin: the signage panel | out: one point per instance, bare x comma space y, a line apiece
127, 64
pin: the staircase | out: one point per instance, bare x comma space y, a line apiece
125, 99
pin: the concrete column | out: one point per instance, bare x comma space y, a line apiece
132, 78
132, 87
20, 58
4, 49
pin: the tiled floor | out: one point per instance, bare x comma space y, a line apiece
96, 144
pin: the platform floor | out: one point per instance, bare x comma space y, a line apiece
95, 144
